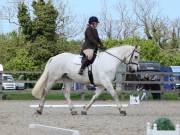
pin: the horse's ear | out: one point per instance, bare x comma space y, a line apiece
137, 48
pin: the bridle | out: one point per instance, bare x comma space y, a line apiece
124, 60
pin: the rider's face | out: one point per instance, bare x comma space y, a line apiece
95, 24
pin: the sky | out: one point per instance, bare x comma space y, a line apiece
92, 7
88, 8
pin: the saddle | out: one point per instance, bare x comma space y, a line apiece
77, 60
92, 86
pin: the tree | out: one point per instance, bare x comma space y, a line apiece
9, 12
43, 23
9, 46
67, 27
143, 10
25, 21
39, 30
107, 22
126, 26
41, 50
155, 27
21, 62
175, 43
148, 48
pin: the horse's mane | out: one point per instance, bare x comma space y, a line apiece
117, 46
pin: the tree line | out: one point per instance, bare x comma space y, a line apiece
46, 30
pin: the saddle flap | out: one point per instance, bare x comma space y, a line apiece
77, 59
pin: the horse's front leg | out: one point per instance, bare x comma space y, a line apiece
97, 93
66, 90
108, 85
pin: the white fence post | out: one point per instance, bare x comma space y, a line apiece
177, 129
148, 129
1, 91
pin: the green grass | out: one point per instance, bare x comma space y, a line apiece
87, 95
171, 96
26, 95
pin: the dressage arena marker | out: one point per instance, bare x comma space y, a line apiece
134, 100
36, 129
65, 106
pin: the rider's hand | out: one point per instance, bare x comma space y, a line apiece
102, 48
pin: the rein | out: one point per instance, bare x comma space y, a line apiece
123, 60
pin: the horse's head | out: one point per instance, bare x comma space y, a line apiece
132, 59
126, 54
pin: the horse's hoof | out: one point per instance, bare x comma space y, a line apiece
123, 112
83, 112
38, 112
74, 113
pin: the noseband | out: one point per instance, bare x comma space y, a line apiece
124, 60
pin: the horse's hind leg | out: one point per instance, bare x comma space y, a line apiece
45, 92
42, 101
97, 93
67, 90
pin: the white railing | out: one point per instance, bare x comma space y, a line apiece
39, 129
154, 131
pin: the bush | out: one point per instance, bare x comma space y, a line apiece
164, 124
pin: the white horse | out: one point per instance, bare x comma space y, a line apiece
62, 68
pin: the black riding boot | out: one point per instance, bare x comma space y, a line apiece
85, 63
92, 86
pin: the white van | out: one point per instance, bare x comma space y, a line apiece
8, 82
1, 67
176, 76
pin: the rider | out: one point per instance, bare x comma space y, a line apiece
91, 44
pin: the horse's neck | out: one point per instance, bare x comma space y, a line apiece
110, 63
119, 52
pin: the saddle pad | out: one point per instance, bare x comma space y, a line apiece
77, 60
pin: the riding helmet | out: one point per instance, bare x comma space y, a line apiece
93, 19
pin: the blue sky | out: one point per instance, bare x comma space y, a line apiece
88, 8
170, 8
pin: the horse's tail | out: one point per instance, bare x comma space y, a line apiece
37, 91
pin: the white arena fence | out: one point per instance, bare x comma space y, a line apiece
39, 129
120, 79
77, 105
154, 131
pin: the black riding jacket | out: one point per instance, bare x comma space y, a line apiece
92, 39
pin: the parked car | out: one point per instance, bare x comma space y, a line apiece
177, 85
20, 85
8, 82
176, 77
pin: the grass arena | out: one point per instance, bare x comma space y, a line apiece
16, 116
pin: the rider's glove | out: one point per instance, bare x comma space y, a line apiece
102, 48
